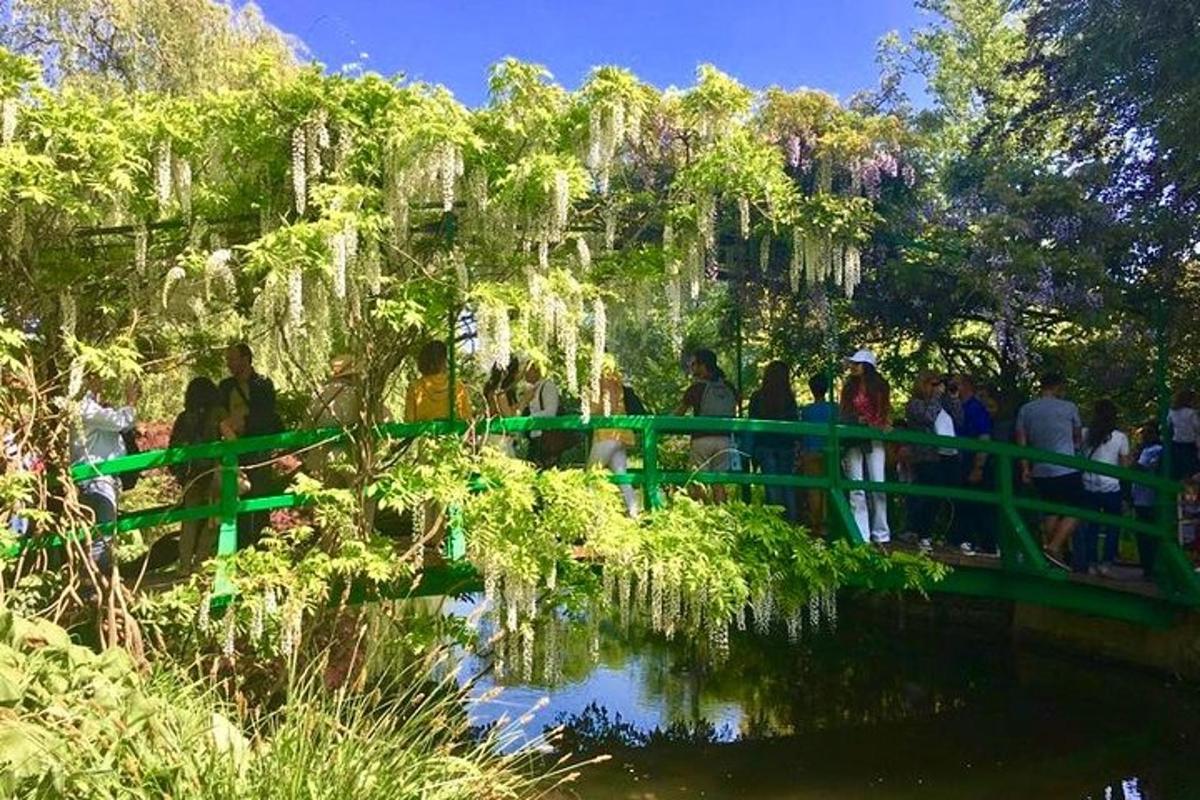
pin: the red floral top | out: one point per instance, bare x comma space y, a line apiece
872, 412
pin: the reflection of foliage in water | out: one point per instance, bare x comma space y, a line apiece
863, 674
596, 728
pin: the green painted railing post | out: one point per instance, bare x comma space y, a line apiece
227, 536
650, 466
1018, 550
455, 546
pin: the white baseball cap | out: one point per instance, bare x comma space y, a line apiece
863, 357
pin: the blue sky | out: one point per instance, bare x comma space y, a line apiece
826, 44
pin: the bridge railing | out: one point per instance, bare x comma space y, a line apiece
1021, 553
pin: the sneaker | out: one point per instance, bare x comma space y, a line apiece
926, 544
1104, 571
908, 537
966, 549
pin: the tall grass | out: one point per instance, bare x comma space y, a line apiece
405, 735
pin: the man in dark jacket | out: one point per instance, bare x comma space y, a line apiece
249, 402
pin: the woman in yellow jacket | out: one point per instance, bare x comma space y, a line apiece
609, 444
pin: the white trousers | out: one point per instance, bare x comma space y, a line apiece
610, 453
872, 462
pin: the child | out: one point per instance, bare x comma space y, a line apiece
1145, 498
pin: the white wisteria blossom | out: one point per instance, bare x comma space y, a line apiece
299, 170
162, 172
10, 108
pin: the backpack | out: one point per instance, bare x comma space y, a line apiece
552, 444
633, 404
718, 400
130, 479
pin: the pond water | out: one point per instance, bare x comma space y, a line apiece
888, 705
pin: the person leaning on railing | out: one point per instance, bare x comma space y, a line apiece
975, 523
199, 422
1185, 435
99, 437
609, 445
428, 399
1103, 443
776, 453
933, 466
338, 403
709, 396
1052, 423
811, 458
1145, 498
866, 400
248, 398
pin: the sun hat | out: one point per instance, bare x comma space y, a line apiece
863, 357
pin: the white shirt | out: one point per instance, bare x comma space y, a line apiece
99, 439
943, 425
1185, 425
1111, 452
99, 436
544, 403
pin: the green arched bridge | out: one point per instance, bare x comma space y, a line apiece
1021, 573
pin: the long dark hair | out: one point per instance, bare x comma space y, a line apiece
877, 389
503, 380
200, 399
201, 395
774, 395
709, 359
1104, 422
1184, 398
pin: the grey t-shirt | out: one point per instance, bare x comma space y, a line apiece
1050, 424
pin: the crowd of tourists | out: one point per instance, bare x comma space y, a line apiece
949, 406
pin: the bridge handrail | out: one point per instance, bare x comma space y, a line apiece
639, 424
1020, 551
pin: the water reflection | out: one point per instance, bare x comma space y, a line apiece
882, 707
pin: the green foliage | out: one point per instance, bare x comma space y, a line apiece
77, 723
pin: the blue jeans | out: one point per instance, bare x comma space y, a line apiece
105, 509
779, 461
1086, 544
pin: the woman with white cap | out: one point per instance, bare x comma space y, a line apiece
866, 400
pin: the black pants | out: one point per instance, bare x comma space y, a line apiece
250, 525
943, 471
1147, 545
1185, 461
976, 522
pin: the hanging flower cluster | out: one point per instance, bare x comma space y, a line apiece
606, 130
216, 269
867, 174
743, 204
309, 138
295, 297
162, 173
16, 229
817, 259
493, 343
181, 174
343, 249
299, 169
141, 244
10, 108
599, 343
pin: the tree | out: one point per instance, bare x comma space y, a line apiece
171, 46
